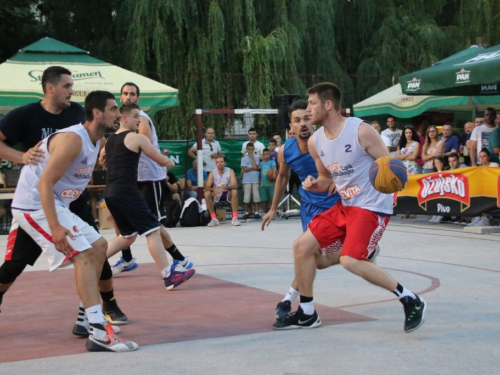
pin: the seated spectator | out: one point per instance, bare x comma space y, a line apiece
433, 147
221, 186
251, 167
173, 188
192, 181
454, 161
266, 189
485, 159
465, 141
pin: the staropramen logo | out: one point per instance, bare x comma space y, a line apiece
36, 75
413, 85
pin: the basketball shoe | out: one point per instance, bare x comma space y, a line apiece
104, 339
298, 320
82, 326
113, 313
176, 278
414, 309
122, 266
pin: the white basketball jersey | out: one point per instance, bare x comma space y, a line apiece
149, 170
73, 182
349, 165
224, 179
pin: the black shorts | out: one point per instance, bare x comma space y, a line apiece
25, 249
132, 215
155, 193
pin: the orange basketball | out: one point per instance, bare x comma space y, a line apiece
271, 176
388, 175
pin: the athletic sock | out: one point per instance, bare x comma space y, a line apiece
175, 253
401, 292
166, 272
94, 314
107, 296
307, 305
292, 295
235, 214
127, 254
213, 216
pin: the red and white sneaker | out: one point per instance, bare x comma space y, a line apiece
105, 339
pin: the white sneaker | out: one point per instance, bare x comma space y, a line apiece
437, 219
122, 266
82, 326
213, 223
105, 339
235, 222
482, 222
431, 220
474, 221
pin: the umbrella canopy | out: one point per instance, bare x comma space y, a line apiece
21, 75
472, 72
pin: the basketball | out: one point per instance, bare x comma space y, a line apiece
271, 176
388, 175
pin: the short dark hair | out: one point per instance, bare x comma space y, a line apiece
272, 140
53, 75
128, 107
96, 99
298, 104
131, 84
277, 133
250, 144
266, 149
388, 117
252, 129
327, 91
487, 151
491, 109
453, 155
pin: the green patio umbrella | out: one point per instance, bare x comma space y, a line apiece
20, 77
393, 102
472, 72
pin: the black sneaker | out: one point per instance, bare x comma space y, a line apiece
283, 309
414, 312
299, 320
113, 313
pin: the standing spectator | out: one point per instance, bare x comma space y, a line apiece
250, 166
266, 189
439, 165
192, 180
252, 138
420, 125
210, 148
433, 147
451, 141
393, 134
497, 119
273, 150
478, 121
376, 126
407, 150
465, 141
480, 135
277, 138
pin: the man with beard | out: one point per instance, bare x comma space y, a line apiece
480, 136
41, 208
294, 156
344, 150
27, 126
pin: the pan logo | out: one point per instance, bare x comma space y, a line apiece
413, 85
463, 76
490, 89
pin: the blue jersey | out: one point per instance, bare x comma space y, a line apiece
304, 165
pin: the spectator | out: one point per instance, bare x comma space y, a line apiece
273, 149
485, 159
393, 134
439, 165
266, 189
277, 138
497, 119
376, 126
465, 141
451, 141
481, 134
221, 186
173, 188
408, 148
454, 163
192, 180
433, 147
478, 121
420, 125
210, 148
250, 166
252, 138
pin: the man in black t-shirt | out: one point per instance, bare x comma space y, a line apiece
27, 126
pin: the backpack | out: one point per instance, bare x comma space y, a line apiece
173, 214
190, 215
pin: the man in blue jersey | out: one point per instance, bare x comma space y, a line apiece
294, 155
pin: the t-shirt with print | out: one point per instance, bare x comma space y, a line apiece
393, 137
251, 177
265, 166
481, 135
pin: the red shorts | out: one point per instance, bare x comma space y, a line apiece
330, 229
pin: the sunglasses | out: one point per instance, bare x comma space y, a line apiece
211, 148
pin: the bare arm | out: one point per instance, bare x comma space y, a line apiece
145, 128
34, 155
234, 181
324, 182
473, 153
192, 152
64, 148
141, 142
210, 181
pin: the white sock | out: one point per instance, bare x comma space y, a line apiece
292, 295
307, 307
165, 273
402, 292
94, 314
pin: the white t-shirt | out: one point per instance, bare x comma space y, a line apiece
259, 147
481, 135
393, 137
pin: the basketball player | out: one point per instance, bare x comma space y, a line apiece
27, 126
344, 149
294, 155
153, 187
123, 197
41, 207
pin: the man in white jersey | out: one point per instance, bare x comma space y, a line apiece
221, 186
41, 207
152, 182
344, 149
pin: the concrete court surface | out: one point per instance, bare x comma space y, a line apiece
457, 273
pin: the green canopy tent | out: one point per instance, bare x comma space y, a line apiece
472, 72
393, 102
20, 77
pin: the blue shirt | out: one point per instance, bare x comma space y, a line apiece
193, 176
251, 177
451, 143
304, 165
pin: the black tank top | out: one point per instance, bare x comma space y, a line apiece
122, 166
